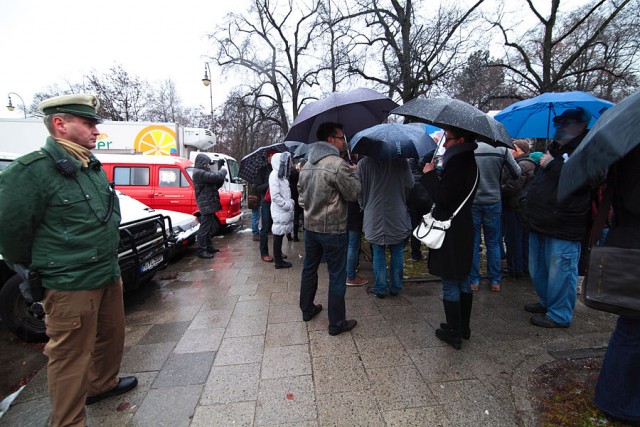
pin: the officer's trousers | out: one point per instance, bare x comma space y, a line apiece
86, 342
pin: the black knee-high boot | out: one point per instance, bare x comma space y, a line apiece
466, 303
451, 334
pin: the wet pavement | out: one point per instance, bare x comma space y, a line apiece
222, 341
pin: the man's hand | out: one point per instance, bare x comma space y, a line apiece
428, 167
545, 159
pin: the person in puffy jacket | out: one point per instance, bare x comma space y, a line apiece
206, 184
282, 205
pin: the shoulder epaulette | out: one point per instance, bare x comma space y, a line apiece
31, 157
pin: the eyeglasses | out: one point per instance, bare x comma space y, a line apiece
565, 123
451, 137
341, 137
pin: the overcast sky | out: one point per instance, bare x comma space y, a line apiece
45, 42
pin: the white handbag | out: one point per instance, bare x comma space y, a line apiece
431, 231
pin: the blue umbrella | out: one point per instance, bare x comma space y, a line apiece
533, 118
392, 140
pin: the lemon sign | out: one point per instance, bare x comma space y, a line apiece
155, 141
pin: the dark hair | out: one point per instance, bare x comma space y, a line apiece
327, 129
462, 133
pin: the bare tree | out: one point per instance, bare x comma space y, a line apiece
573, 51
409, 55
482, 84
241, 126
164, 104
274, 46
122, 96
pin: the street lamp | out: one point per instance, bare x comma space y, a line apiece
10, 106
207, 82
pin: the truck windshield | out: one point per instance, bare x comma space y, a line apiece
233, 168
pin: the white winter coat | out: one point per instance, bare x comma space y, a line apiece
281, 203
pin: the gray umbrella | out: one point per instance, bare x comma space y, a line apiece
615, 134
443, 112
356, 109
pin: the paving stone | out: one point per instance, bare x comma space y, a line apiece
323, 344
380, 352
143, 358
164, 332
289, 361
220, 302
211, 319
416, 335
339, 373
439, 364
372, 327
237, 414
356, 408
286, 314
283, 334
233, 383
200, 340
35, 412
399, 387
247, 326
184, 369
424, 416
286, 400
172, 406
133, 334
239, 350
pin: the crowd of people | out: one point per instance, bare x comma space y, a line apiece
491, 195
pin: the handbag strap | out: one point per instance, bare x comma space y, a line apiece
469, 195
601, 216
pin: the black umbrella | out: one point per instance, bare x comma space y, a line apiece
615, 134
356, 109
393, 140
443, 112
251, 164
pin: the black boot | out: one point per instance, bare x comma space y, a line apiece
451, 334
466, 302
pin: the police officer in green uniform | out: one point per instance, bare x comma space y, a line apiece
60, 217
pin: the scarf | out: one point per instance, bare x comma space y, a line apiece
77, 151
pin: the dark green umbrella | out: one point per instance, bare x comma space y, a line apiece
616, 133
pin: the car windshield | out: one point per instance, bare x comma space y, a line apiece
4, 163
190, 172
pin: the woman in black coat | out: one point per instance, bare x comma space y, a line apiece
452, 262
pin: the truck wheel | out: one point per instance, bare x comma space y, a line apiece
23, 319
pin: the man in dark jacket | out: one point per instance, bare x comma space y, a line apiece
556, 229
206, 185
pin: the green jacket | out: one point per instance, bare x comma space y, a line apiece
54, 223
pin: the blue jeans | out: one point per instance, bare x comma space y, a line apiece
489, 219
452, 288
553, 265
353, 250
255, 220
334, 249
267, 222
380, 268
